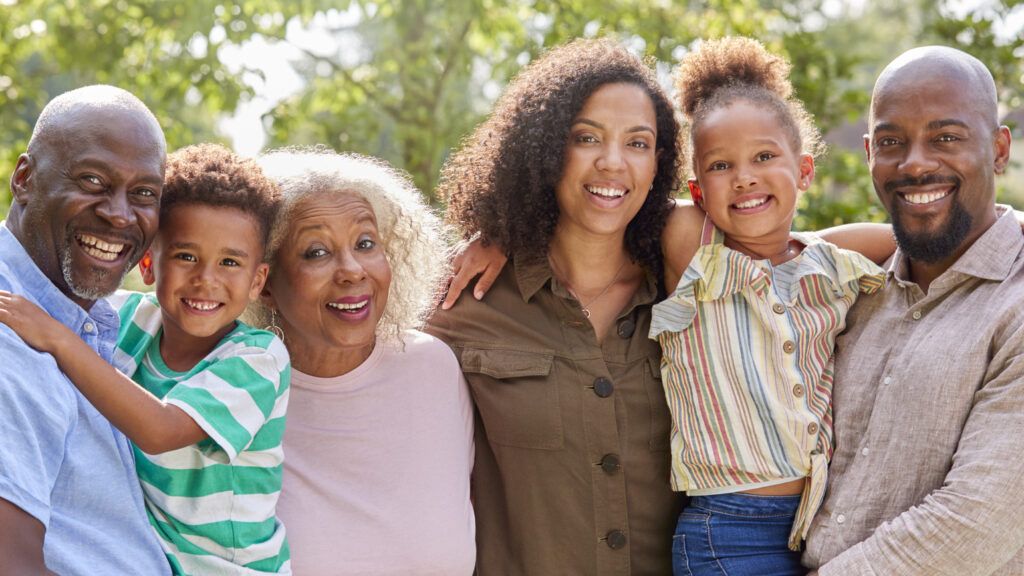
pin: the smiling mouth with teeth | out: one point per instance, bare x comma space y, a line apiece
606, 192
925, 197
754, 203
348, 307
99, 249
201, 305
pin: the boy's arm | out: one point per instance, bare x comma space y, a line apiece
153, 425
875, 241
680, 240
21, 541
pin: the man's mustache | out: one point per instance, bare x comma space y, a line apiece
929, 180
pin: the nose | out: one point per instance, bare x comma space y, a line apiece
205, 273
349, 268
611, 158
744, 178
917, 161
116, 209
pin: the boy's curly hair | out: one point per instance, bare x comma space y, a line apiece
719, 72
212, 175
502, 182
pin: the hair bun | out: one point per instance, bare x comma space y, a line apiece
729, 62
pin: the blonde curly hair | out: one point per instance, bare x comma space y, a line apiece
414, 238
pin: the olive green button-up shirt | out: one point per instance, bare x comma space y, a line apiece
572, 461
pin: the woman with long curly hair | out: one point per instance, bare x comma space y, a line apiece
572, 175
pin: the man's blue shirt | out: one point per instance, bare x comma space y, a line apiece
60, 460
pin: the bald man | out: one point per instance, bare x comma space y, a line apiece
85, 205
928, 476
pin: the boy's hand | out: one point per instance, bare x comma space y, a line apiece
37, 328
475, 258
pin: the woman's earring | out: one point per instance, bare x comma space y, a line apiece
274, 327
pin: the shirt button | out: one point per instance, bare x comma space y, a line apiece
887, 380
616, 539
865, 451
812, 428
603, 387
840, 518
798, 390
788, 347
610, 463
778, 308
916, 315
88, 327
626, 329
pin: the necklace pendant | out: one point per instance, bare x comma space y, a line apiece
586, 313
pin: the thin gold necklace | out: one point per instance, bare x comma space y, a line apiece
586, 307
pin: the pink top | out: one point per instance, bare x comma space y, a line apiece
377, 465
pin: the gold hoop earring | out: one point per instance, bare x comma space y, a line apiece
274, 328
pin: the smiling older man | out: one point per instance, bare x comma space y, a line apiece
927, 477
86, 199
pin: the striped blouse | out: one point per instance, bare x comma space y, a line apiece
747, 366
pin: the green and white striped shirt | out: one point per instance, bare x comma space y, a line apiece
213, 503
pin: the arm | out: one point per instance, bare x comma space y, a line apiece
680, 240
971, 524
154, 426
21, 541
478, 257
874, 241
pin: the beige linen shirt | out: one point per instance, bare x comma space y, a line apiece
928, 473
572, 461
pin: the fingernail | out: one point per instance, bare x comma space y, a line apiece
478, 294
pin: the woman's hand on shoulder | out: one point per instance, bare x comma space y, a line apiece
476, 258
680, 240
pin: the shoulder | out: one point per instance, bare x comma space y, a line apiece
247, 341
424, 349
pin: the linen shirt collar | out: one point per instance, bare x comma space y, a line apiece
991, 257
534, 272
37, 287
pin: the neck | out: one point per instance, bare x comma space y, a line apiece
181, 351
327, 362
583, 262
777, 249
923, 273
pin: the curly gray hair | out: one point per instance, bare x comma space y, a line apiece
413, 236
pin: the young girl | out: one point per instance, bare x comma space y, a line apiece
748, 332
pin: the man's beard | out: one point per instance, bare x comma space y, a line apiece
932, 247
99, 284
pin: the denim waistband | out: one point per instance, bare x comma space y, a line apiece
747, 504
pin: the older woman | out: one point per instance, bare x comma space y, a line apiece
379, 438
572, 175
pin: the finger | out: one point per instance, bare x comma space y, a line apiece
455, 288
486, 281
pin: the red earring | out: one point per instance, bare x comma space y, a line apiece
695, 192
146, 262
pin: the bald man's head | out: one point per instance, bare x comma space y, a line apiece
87, 190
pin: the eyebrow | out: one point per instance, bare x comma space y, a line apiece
598, 125
933, 125
758, 142
193, 246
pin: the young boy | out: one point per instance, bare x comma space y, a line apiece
206, 403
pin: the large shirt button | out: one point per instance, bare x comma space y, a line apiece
812, 428
788, 347
88, 327
798, 390
778, 308
916, 315
603, 387
626, 329
610, 463
616, 539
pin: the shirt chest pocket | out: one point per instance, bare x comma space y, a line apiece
516, 393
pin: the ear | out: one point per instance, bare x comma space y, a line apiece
806, 171
259, 280
1002, 144
146, 268
695, 192
267, 298
867, 147
20, 178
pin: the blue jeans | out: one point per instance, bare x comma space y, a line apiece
736, 535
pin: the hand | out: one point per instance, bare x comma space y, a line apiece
475, 258
37, 328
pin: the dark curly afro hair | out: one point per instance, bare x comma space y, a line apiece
502, 182
719, 72
212, 175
